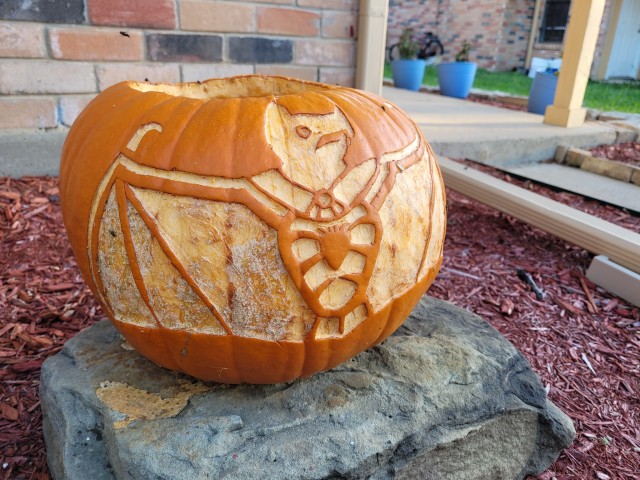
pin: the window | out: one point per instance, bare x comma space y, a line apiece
554, 21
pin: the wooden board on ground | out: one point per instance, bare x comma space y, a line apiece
598, 236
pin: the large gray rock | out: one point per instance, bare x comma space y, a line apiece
446, 397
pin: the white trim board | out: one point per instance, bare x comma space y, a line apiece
619, 280
598, 236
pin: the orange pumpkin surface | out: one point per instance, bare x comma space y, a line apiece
253, 229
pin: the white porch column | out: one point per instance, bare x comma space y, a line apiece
372, 34
579, 47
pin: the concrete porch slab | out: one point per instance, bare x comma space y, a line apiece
491, 135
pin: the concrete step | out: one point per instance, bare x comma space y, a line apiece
491, 135
30, 152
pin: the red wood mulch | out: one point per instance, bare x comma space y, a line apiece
582, 341
624, 152
498, 102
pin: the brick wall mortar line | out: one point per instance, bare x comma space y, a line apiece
95, 75
58, 112
255, 20
273, 36
176, 12
145, 46
225, 48
47, 41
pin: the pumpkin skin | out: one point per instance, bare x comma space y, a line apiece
253, 229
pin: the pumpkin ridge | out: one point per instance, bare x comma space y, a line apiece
185, 125
83, 130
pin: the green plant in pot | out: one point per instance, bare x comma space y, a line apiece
456, 78
408, 70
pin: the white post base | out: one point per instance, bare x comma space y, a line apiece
615, 278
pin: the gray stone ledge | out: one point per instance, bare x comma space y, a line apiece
445, 397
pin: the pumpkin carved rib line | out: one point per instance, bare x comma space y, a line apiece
153, 227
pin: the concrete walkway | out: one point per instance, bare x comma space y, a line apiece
491, 135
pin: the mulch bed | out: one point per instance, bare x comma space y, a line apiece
628, 153
582, 341
495, 101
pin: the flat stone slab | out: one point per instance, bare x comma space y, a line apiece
445, 397
589, 184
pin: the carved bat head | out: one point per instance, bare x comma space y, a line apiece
311, 147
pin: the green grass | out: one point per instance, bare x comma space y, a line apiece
620, 97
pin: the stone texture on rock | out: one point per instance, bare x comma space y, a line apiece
445, 397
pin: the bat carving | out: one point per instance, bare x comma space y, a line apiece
323, 205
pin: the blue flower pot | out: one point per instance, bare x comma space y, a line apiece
543, 90
408, 73
456, 78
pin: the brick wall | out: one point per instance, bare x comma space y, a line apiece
554, 50
604, 27
498, 29
516, 24
55, 55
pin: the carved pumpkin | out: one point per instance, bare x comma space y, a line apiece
252, 229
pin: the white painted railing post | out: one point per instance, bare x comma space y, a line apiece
372, 34
579, 47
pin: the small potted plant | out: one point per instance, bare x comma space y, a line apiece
408, 70
456, 78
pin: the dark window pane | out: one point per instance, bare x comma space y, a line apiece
554, 21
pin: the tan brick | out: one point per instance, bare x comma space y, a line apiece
339, 25
625, 135
330, 4
286, 21
575, 156
293, 71
325, 53
635, 176
71, 106
217, 16
561, 153
279, 2
22, 40
608, 168
45, 76
345, 77
195, 72
27, 112
95, 44
132, 13
110, 74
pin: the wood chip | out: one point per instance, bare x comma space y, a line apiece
588, 363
